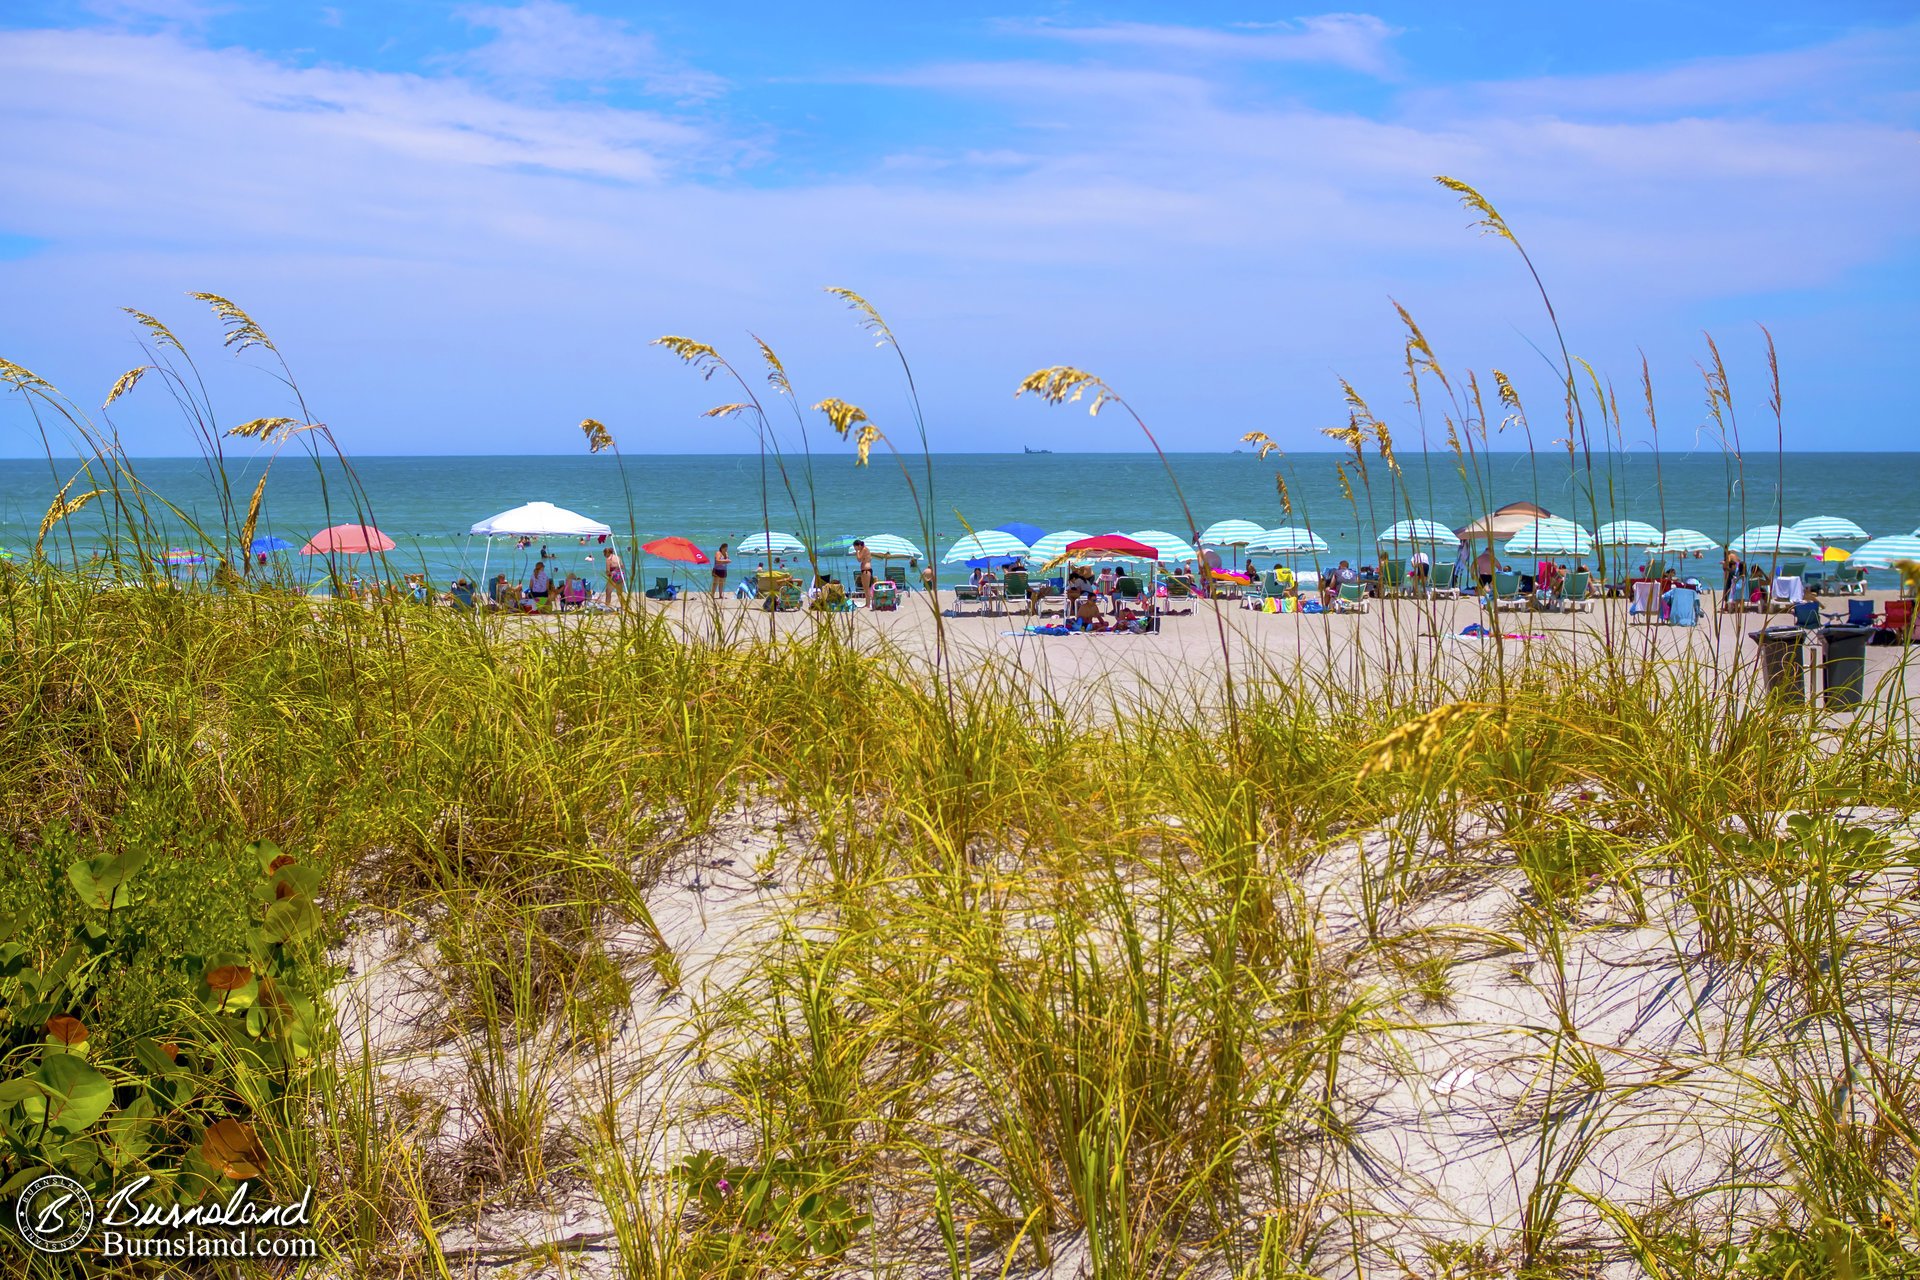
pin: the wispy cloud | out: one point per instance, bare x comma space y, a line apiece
544, 42
1357, 41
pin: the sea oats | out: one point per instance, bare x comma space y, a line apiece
598, 437
870, 318
776, 372
21, 377
1490, 222
261, 428
698, 354
1063, 384
162, 336
1286, 499
841, 416
863, 441
62, 508
125, 383
1416, 744
253, 515
726, 410
242, 332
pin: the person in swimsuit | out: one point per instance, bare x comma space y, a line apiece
616, 579
863, 576
720, 562
538, 584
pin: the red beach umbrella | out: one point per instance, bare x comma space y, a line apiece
1116, 544
675, 548
347, 539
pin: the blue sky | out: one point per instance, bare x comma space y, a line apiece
464, 222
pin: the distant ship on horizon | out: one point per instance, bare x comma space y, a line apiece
1030, 449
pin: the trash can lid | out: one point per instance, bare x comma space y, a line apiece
1777, 635
1844, 631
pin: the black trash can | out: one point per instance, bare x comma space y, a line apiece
1781, 661
1844, 674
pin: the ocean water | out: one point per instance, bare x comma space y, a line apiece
427, 504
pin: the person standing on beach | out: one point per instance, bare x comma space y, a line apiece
863, 577
616, 579
720, 562
1483, 565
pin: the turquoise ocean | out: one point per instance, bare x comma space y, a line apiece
426, 504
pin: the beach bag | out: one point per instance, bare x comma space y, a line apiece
1313, 606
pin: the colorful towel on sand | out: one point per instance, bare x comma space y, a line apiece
1474, 631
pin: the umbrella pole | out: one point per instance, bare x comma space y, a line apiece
486, 558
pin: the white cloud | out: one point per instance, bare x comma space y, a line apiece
1358, 41
545, 42
193, 14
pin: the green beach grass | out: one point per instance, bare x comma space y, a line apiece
594, 949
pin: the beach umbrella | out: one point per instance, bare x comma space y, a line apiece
1836, 555
1501, 522
840, 546
1231, 533
993, 562
1830, 529
1772, 540
261, 546
1290, 540
1117, 544
891, 546
539, 520
1551, 537
347, 539
1628, 533
1054, 543
675, 548
1679, 541
770, 544
1170, 546
990, 542
1417, 533
1027, 533
175, 555
1881, 552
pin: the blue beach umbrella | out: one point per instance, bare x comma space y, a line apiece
261, 546
1027, 533
993, 562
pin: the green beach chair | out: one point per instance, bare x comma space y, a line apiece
1440, 581
1506, 587
1352, 599
1127, 589
896, 574
1573, 592
1393, 578
1017, 581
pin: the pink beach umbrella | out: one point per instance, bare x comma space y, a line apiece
347, 539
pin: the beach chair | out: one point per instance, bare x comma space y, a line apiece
788, 597
1393, 579
1252, 597
964, 593
1899, 616
886, 596
1506, 588
462, 596
1792, 569
1684, 609
1178, 589
1573, 592
1656, 569
1440, 581
662, 589
896, 574
993, 597
1016, 587
1127, 589
1352, 599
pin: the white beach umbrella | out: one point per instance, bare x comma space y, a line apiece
988, 542
891, 546
1055, 544
1417, 533
1170, 546
1881, 552
1628, 533
770, 544
1550, 537
1677, 541
1830, 529
1231, 533
1290, 540
1773, 540
539, 520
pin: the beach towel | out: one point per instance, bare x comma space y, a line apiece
1037, 630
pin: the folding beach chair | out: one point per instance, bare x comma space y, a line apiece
1016, 587
1393, 579
1441, 580
1573, 592
1352, 599
1506, 587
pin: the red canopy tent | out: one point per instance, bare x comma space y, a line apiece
1118, 544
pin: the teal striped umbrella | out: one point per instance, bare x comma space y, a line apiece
891, 546
1627, 533
1830, 529
985, 544
1678, 541
770, 544
1419, 533
1290, 540
1773, 540
1550, 537
1881, 552
1231, 533
1170, 546
1055, 544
